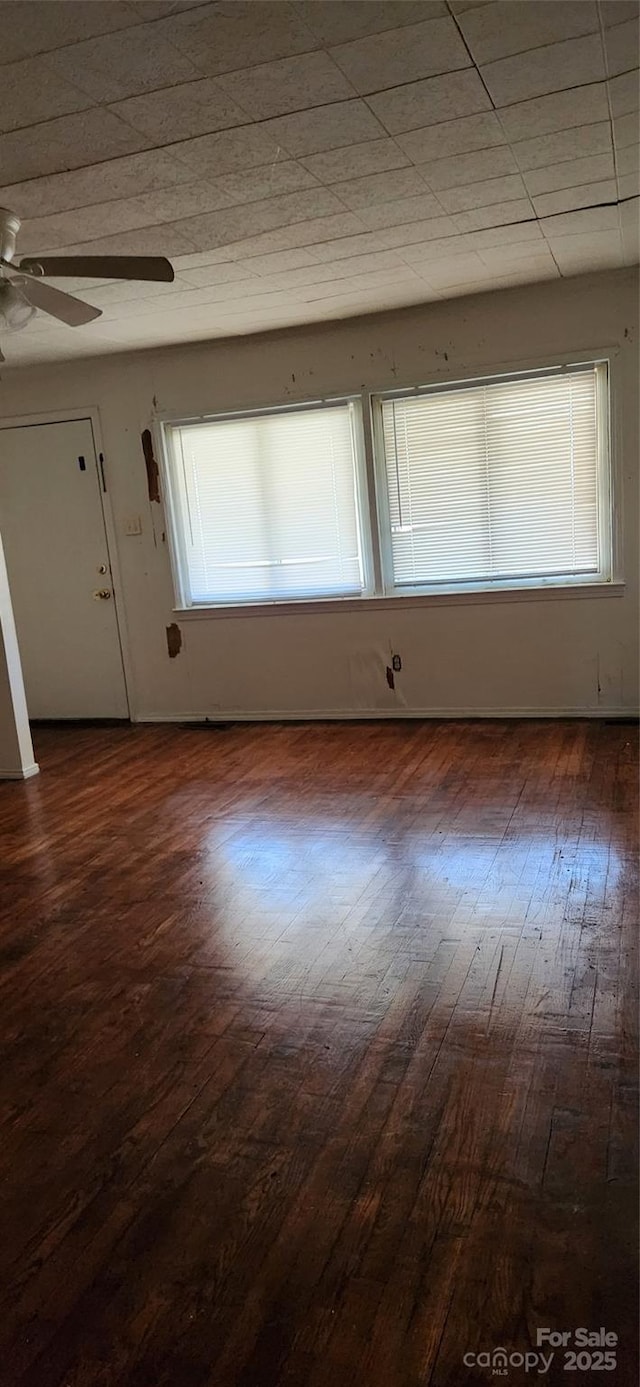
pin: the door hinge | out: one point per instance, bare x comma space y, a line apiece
101, 461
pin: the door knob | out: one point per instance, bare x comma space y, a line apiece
102, 595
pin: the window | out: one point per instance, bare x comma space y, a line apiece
498, 481
266, 506
470, 486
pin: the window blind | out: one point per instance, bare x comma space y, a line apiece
267, 506
494, 481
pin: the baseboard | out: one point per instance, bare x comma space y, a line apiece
378, 714
24, 774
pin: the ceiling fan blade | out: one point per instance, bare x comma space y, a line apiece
100, 266
63, 306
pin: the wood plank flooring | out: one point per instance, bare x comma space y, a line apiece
318, 1053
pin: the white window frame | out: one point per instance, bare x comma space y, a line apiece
603, 575
174, 509
372, 502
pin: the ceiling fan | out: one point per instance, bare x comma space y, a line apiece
22, 290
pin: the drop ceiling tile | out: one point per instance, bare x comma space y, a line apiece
381, 187
410, 233
628, 184
355, 243
502, 29
542, 70
86, 223
362, 264
458, 7
197, 258
438, 99
507, 236
51, 26
459, 269
564, 145
495, 215
30, 92
583, 223
149, 240
173, 204
445, 248
621, 47
123, 291
482, 194
177, 113
402, 55
627, 159
578, 254
227, 273
116, 178
462, 169
626, 130
492, 282
253, 185
452, 137
195, 299
624, 93
311, 232
406, 210
325, 127
229, 151
399, 278
570, 199
222, 38
559, 111
290, 84
339, 23
280, 261
291, 280
65, 143
618, 11
221, 228
159, 9
513, 256
354, 161
123, 64
367, 243
571, 173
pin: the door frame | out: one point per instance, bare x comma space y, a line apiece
92, 414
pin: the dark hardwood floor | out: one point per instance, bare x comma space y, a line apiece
318, 1053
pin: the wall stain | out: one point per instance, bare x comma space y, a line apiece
153, 474
174, 640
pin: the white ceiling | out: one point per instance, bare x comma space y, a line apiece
313, 160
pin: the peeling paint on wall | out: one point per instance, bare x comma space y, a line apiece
373, 680
153, 474
174, 640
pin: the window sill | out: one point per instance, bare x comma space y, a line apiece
447, 598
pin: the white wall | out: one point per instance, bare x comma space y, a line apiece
16, 750
540, 654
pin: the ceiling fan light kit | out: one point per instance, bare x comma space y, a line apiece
15, 309
23, 290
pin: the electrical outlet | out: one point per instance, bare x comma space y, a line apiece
396, 663
133, 525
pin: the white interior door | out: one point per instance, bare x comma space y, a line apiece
55, 544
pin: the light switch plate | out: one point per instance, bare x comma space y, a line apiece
133, 525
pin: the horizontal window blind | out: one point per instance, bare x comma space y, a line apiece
268, 507
494, 481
